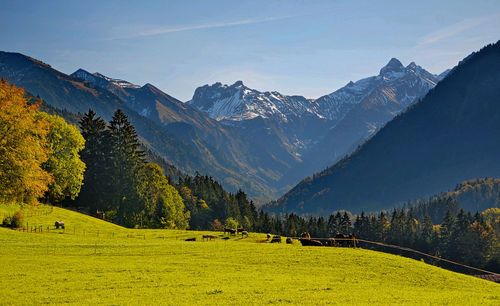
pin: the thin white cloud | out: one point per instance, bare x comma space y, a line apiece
165, 30
455, 29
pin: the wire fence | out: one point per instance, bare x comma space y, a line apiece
355, 242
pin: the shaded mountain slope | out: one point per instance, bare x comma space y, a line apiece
451, 135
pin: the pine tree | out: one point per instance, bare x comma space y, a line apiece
95, 192
445, 234
127, 158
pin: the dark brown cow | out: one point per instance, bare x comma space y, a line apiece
240, 230
289, 240
340, 239
276, 239
208, 237
345, 240
229, 230
190, 239
331, 242
310, 242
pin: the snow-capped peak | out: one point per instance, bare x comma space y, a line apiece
238, 102
102, 80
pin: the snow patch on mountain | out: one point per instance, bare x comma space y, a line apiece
102, 80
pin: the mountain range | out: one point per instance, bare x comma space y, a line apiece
451, 135
261, 142
315, 133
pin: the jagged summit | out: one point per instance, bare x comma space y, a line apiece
394, 66
393, 69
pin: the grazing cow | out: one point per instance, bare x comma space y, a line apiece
190, 239
289, 240
59, 224
341, 239
244, 233
276, 239
240, 230
229, 230
208, 237
310, 242
305, 235
268, 236
346, 240
331, 242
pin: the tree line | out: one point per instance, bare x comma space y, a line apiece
464, 238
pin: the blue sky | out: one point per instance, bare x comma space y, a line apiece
308, 48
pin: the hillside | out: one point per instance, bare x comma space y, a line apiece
472, 196
153, 267
450, 136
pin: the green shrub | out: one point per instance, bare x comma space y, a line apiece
231, 223
7, 221
17, 220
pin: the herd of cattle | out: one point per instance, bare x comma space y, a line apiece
340, 240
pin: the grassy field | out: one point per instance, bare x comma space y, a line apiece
93, 261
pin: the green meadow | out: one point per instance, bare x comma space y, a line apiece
93, 261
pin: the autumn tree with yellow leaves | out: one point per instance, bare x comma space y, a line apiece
23, 147
38, 152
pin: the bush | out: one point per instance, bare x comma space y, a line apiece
7, 221
17, 220
231, 223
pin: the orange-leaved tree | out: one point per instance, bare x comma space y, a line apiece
23, 147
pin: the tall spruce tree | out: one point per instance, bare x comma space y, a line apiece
127, 158
96, 178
